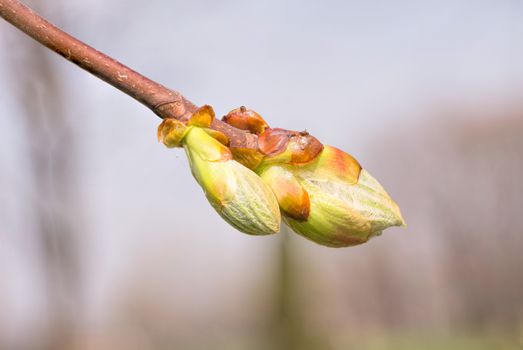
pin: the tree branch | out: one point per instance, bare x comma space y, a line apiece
164, 102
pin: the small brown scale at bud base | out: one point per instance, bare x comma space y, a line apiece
293, 147
278, 144
250, 121
274, 141
305, 148
246, 119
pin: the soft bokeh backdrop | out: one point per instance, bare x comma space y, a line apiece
106, 241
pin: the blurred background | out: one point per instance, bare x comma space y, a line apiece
107, 242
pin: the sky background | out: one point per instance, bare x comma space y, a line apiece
399, 85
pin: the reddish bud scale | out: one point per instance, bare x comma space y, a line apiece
274, 141
279, 145
304, 148
339, 165
290, 147
245, 119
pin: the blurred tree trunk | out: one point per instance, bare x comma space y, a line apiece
289, 331
481, 223
51, 154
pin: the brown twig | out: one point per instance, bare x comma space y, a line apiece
166, 103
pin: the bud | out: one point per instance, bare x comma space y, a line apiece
234, 191
331, 200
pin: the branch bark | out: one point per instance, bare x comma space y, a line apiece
164, 102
